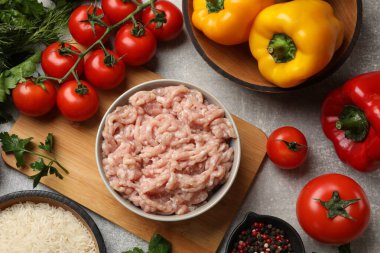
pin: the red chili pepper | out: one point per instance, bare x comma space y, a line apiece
351, 120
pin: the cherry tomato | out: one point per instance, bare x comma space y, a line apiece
350, 221
56, 61
135, 50
32, 100
117, 10
287, 147
81, 30
77, 103
104, 72
172, 23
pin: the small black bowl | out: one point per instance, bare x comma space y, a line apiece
252, 217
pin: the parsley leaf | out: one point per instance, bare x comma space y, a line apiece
134, 250
30, 8
9, 78
157, 244
17, 146
44, 170
48, 146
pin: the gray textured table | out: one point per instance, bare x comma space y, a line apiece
274, 191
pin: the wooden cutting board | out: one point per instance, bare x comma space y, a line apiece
75, 149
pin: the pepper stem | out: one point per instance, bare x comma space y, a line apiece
214, 5
354, 123
345, 248
282, 48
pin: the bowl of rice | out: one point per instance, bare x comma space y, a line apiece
45, 222
167, 150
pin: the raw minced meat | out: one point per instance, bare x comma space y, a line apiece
167, 149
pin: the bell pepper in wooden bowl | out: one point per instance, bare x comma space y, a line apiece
350, 118
318, 60
295, 40
227, 22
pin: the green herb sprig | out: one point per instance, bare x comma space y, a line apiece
157, 244
24, 26
12, 144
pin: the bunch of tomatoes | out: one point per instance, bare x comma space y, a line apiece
139, 26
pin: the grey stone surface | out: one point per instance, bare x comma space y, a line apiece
274, 191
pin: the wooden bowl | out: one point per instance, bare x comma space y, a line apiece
237, 63
57, 200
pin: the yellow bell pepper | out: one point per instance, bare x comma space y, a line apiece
227, 22
295, 40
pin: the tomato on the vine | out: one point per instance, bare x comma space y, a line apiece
287, 147
333, 209
57, 59
136, 45
34, 99
87, 24
77, 102
168, 24
117, 10
104, 71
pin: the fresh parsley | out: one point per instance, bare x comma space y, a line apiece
43, 171
157, 244
48, 145
26, 25
19, 147
13, 144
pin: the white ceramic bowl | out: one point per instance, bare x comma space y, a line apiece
214, 198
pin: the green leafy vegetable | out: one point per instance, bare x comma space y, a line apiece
43, 170
9, 78
134, 250
25, 24
14, 17
157, 244
30, 8
17, 146
48, 145
13, 144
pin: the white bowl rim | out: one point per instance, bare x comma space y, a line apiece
158, 217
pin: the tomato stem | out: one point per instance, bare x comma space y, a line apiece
294, 146
109, 29
135, 2
336, 206
43, 78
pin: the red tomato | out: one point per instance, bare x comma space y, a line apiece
56, 62
313, 216
117, 10
287, 147
174, 20
104, 72
81, 30
135, 50
32, 100
75, 106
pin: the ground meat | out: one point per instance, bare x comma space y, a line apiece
167, 149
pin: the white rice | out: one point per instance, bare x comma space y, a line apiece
41, 228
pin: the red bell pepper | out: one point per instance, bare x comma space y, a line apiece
351, 120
